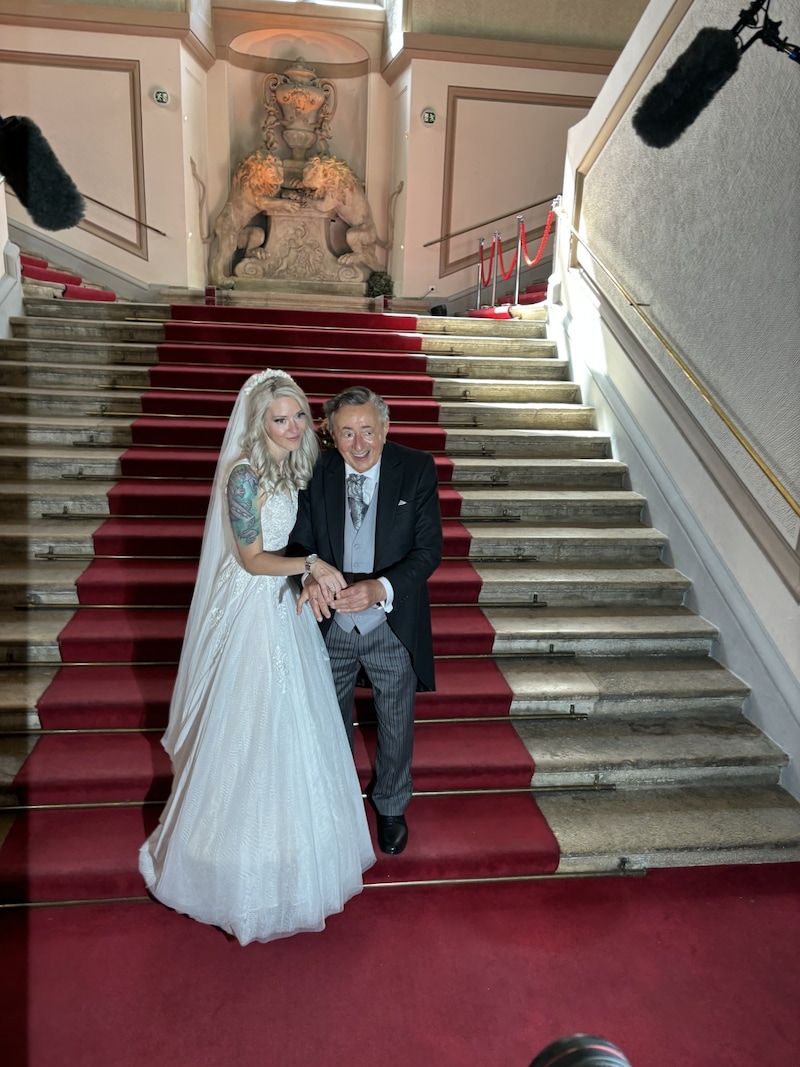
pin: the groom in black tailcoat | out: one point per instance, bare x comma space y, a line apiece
372, 509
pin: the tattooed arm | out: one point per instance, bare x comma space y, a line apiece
244, 511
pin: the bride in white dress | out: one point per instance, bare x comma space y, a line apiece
264, 833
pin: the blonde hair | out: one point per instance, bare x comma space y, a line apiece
296, 470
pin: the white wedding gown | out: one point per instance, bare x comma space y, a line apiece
264, 833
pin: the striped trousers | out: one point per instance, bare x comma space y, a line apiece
394, 684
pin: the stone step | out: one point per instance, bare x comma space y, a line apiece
64, 431
508, 390
553, 443
102, 331
19, 694
673, 827
570, 507
558, 544
461, 332
33, 500
514, 347
72, 352
473, 327
510, 415
51, 583
539, 473
497, 367
50, 462
623, 688
41, 401
526, 583
31, 636
608, 632
80, 377
81, 310
663, 751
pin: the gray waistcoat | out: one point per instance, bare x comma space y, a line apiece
359, 558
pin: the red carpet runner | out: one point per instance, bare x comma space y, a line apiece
128, 632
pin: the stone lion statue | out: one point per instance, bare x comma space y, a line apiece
255, 189
337, 190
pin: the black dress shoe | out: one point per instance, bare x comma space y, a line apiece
392, 833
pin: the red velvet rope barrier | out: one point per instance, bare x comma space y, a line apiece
497, 248
531, 262
486, 278
505, 275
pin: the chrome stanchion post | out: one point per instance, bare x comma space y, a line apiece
495, 262
520, 224
481, 243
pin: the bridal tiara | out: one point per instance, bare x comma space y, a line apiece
264, 376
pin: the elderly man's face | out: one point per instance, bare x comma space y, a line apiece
359, 435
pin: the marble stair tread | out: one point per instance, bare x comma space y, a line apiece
22, 374
523, 441
64, 430
623, 687
87, 309
525, 415
104, 330
76, 351
535, 472
32, 582
640, 753
67, 462
547, 543
32, 636
615, 631
19, 694
43, 402
512, 390
49, 497
573, 507
473, 327
675, 827
466, 368
525, 583
486, 345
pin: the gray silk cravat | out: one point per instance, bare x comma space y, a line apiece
355, 498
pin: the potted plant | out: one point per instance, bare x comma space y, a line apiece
380, 283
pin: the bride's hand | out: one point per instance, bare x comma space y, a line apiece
328, 578
311, 594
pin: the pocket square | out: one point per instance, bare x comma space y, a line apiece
401, 502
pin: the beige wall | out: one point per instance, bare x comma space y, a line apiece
705, 235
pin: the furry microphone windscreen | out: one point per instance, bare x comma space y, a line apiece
31, 168
690, 84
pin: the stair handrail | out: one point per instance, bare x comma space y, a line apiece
488, 222
108, 207
701, 388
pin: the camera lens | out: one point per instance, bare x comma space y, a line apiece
581, 1050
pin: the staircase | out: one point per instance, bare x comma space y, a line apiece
642, 755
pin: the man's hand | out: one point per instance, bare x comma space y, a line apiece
328, 578
360, 596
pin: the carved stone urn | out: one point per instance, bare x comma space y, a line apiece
302, 105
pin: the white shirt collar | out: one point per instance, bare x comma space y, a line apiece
371, 475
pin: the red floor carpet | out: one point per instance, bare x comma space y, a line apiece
694, 967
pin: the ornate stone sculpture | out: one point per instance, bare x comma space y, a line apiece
280, 211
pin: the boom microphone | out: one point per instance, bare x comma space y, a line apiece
31, 168
691, 83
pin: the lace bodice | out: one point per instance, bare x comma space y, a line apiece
277, 520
